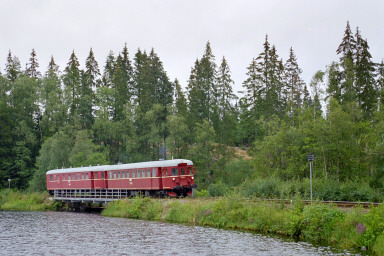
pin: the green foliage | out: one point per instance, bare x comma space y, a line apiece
14, 200
218, 189
201, 193
323, 189
354, 228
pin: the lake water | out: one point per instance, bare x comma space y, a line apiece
68, 233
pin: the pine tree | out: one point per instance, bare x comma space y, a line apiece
32, 66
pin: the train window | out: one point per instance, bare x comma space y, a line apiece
143, 173
182, 171
51, 178
82, 176
110, 175
78, 176
138, 173
96, 175
73, 176
57, 177
123, 174
102, 175
164, 172
114, 175
175, 172
119, 175
189, 170
133, 173
86, 176
69, 176
153, 172
128, 176
148, 172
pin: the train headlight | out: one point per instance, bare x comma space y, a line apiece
193, 178
173, 179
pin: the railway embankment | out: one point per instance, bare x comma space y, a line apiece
318, 223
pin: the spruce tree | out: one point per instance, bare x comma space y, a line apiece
225, 98
380, 84
346, 50
202, 89
12, 67
179, 100
32, 66
72, 83
293, 84
364, 73
55, 111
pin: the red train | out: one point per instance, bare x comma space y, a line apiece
157, 178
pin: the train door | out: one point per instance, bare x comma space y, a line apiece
105, 178
92, 180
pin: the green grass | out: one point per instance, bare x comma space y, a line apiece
11, 200
317, 223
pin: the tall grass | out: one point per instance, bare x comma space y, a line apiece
18, 201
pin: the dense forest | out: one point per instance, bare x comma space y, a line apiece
131, 111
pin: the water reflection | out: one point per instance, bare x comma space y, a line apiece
60, 233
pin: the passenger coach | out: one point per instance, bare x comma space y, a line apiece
157, 178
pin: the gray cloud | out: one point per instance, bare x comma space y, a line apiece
178, 30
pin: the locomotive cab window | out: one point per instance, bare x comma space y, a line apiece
96, 175
102, 175
182, 171
51, 178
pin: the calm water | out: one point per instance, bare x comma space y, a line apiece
62, 233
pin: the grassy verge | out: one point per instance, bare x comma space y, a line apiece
18, 201
318, 223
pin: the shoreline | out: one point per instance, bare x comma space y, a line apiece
355, 229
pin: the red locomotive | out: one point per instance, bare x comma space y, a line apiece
157, 178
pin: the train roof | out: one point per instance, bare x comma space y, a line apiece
163, 163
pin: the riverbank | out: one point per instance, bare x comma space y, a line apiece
352, 229
11, 200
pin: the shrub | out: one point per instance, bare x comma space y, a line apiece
218, 189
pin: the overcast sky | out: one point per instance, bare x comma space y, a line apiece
179, 29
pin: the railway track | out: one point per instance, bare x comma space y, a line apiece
341, 204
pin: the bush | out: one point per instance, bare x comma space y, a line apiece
218, 189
